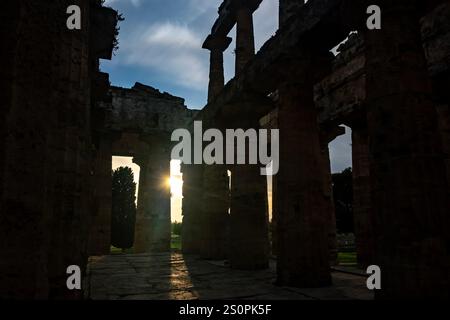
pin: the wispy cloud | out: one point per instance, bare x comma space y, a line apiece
174, 50
163, 39
135, 3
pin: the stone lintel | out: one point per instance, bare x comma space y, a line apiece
217, 42
227, 14
330, 133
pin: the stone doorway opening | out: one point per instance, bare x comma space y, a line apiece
125, 162
340, 155
349, 153
176, 203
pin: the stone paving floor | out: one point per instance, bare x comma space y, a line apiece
185, 277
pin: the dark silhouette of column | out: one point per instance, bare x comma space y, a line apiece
409, 190
362, 213
326, 136
302, 216
153, 226
100, 230
192, 231
217, 45
143, 222
245, 38
215, 205
249, 220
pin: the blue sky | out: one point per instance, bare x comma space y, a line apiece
160, 45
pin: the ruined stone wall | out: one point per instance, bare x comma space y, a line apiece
146, 110
47, 152
137, 123
342, 93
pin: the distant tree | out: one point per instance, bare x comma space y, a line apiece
123, 208
176, 228
343, 200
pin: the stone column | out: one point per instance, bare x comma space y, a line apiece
274, 216
153, 213
100, 231
362, 213
303, 256
245, 39
409, 187
217, 45
444, 128
160, 207
143, 221
215, 205
192, 231
326, 136
249, 220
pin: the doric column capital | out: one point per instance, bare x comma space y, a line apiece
235, 5
213, 42
330, 133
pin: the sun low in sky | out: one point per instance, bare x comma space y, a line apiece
175, 181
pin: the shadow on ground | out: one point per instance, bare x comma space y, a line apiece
186, 277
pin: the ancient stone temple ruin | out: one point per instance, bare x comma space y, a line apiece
138, 123
387, 86
62, 122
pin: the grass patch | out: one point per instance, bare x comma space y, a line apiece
176, 242
347, 257
115, 250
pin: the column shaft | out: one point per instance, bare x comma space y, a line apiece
153, 225
216, 45
215, 207
329, 202
245, 39
192, 231
409, 187
100, 231
303, 256
249, 218
142, 233
362, 213
216, 77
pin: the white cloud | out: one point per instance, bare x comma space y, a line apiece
172, 49
135, 3
198, 7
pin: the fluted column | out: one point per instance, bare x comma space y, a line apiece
362, 213
143, 222
302, 216
192, 231
249, 220
245, 39
409, 187
326, 136
153, 213
100, 231
215, 205
216, 45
